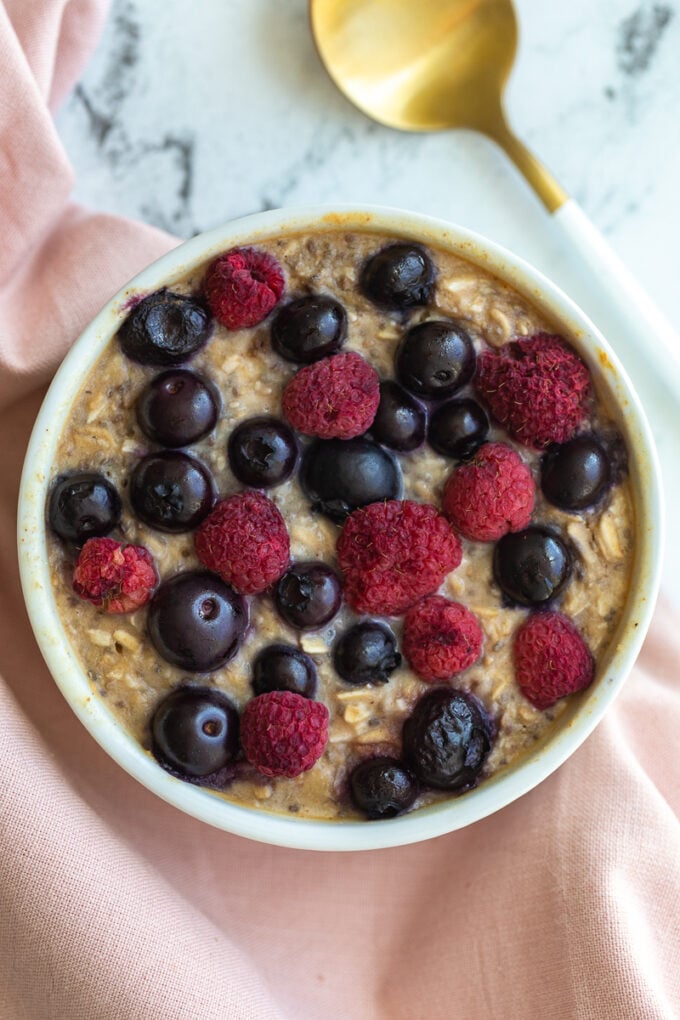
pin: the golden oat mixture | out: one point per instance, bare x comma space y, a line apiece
519, 458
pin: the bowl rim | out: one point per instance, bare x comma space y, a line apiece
495, 792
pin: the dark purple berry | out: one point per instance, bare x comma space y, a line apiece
382, 787
340, 475
262, 452
458, 428
171, 491
284, 668
399, 276
195, 731
435, 359
532, 566
400, 419
165, 329
196, 621
177, 408
309, 328
576, 474
83, 506
366, 654
308, 595
446, 739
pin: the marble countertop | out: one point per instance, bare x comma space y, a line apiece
190, 115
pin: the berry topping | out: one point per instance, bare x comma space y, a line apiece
458, 428
114, 577
336, 397
341, 475
83, 506
309, 328
435, 359
195, 731
284, 668
398, 276
308, 595
441, 638
400, 420
446, 739
177, 408
245, 541
551, 659
165, 329
366, 654
262, 452
575, 474
242, 286
283, 734
382, 787
393, 553
196, 621
491, 494
532, 566
171, 491
537, 388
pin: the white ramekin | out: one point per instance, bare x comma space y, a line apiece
584, 710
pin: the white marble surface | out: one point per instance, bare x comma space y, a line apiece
192, 114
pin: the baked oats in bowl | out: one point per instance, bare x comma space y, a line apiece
340, 528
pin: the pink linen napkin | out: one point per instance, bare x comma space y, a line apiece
114, 905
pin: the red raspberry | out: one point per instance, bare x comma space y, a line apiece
441, 638
283, 734
551, 659
118, 578
490, 495
242, 286
336, 397
537, 388
245, 541
393, 553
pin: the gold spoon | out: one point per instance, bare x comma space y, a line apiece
427, 65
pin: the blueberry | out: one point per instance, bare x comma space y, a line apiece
196, 621
340, 475
262, 452
309, 328
366, 653
576, 474
399, 276
382, 787
458, 428
165, 329
83, 506
400, 419
195, 731
308, 595
446, 739
532, 566
435, 358
171, 491
284, 668
177, 408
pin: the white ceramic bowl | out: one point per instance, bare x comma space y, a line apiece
584, 710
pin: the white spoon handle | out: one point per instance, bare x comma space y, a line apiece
643, 338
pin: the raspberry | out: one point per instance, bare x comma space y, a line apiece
335, 398
441, 638
551, 659
115, 577
242, 286
490, 495
393, 553
245, 541
283, 734
537, 388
